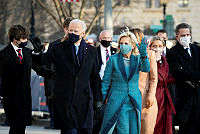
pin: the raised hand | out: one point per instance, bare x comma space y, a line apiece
143, 47
36, 44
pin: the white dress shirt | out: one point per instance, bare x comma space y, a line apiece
16, 48
76, 48
103, 57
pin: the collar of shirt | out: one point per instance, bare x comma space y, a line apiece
188, 50
103, 49
16, 48
77, 48
187, 47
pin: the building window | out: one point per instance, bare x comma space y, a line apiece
183, 3
148, 3
157, 3
126, 2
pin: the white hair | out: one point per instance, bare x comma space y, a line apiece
81, 22
105, 31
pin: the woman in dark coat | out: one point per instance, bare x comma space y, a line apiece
165, 104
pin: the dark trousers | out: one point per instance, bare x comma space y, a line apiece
97, 126
192, 128
75, 131
17, 130
50, 107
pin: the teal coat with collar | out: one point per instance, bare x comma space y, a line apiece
121, 87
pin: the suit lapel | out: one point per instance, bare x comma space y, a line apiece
12, 53
26, 56
184, 53
99, 55
195, 56
84, 55
121, 66
133, 65
69, 52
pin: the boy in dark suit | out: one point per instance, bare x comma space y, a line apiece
15, 73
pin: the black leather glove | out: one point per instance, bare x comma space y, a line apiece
99, 109
38, 47
98, 105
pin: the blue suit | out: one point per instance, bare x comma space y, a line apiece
124, 97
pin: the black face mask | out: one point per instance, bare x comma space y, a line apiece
105, 43
23, 44
73, 37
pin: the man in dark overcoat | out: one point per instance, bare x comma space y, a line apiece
78, 83
104, 51
15, 73
184, 62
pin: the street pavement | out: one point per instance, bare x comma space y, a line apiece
32, 130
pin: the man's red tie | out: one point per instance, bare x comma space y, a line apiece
20, 55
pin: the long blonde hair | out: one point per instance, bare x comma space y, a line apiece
127, 33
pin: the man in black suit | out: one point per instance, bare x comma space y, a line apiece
104, 51
15, 73
78, 84
184, 62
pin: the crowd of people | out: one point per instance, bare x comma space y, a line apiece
136, 88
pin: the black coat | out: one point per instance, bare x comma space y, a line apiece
186, 71
48, 72
100, 62
15, 85
76, 87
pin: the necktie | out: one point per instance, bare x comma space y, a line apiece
20, 55
188, 50
107, 55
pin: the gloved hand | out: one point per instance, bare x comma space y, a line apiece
99, 110
99, 105
38, 47
142, 47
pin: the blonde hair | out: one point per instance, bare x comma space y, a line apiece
157, 38
129, 34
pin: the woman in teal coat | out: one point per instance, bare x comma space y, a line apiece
123, 109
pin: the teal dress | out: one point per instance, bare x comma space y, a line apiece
123, 110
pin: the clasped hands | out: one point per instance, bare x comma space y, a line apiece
149, 100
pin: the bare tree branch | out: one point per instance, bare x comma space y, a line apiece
70, 9
64, 11
92, 23
81, 13
58, 10
116, 4
50, 12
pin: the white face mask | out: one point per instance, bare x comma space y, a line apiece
185, 41
158, 52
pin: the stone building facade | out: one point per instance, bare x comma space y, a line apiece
132, 13
145, 13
